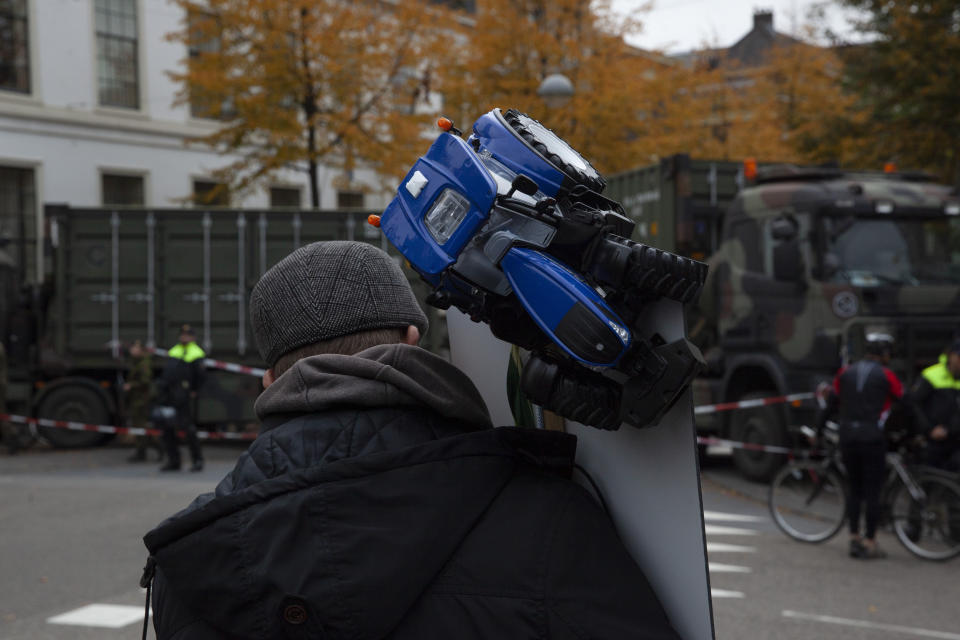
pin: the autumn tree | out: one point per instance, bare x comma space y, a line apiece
300, 83
512, 45
906, 74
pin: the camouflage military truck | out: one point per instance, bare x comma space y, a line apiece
114, 276
803, 261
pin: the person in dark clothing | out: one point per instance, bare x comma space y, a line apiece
378, 501
863, 394
935, 398
180, 379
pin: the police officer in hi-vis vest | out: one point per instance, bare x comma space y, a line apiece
936, 407
181, 378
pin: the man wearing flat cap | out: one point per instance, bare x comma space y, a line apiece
378, 501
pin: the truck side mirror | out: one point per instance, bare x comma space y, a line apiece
784, 228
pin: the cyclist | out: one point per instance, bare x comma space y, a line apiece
936, 408
863, 394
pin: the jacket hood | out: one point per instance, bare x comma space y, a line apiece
394, 375
355, 542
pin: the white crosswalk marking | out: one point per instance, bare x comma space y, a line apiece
717, 530
716, 567
714, 531
722, 547
724, 593
720, 516
111, 616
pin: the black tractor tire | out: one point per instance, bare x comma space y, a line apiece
760, 425
76, 402
589, 177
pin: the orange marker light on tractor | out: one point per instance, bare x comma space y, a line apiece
750, 168
890, 167
445, 123
373, 220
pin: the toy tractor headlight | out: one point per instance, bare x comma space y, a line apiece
446, 214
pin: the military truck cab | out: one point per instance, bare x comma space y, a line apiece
803, 260
808, 261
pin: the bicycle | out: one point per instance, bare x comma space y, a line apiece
808, 501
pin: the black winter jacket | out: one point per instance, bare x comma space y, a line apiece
378, 503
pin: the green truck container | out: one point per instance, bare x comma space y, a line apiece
119, 275
804, 261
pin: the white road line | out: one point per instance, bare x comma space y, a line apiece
729, 548
731, 517
723, 593
866, 624
717, 530
716, 567
112, 616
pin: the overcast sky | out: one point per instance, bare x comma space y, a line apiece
674, 26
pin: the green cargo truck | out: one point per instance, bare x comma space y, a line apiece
115, 276
803, 262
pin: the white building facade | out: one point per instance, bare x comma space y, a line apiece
87, 119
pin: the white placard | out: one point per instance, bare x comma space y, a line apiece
649, 477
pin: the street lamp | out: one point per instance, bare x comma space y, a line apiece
555, 90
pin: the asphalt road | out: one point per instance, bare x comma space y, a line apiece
70, 556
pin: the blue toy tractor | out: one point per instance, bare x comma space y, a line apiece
509, 227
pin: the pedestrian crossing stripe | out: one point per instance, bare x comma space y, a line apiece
729, 548
716, 567
111, 616
731, 517
717, 530
724, 593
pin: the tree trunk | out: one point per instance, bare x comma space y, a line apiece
312, 167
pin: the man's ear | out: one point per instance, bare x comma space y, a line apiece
413, 336
268, 378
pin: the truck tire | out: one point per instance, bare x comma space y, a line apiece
761, 425
77, 402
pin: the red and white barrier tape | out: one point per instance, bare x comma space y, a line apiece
752, 403
210, 363
222, 435
133, 431
750, 446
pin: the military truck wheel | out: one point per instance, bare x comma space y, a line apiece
75, 402
762, 425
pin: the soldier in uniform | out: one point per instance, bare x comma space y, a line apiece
181, 378
139, 394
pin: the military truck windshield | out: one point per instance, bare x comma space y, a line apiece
874, 251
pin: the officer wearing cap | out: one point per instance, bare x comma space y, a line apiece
181, 378
935, 397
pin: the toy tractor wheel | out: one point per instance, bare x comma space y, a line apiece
555, 150
760, 425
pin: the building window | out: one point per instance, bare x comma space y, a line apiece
117, 60
122, 190
14, 46
349, 199
18, 219
285, 197
210, 193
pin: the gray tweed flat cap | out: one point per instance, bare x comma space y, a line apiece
329, 289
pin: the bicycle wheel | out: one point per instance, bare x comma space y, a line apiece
807, 501
929, 528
